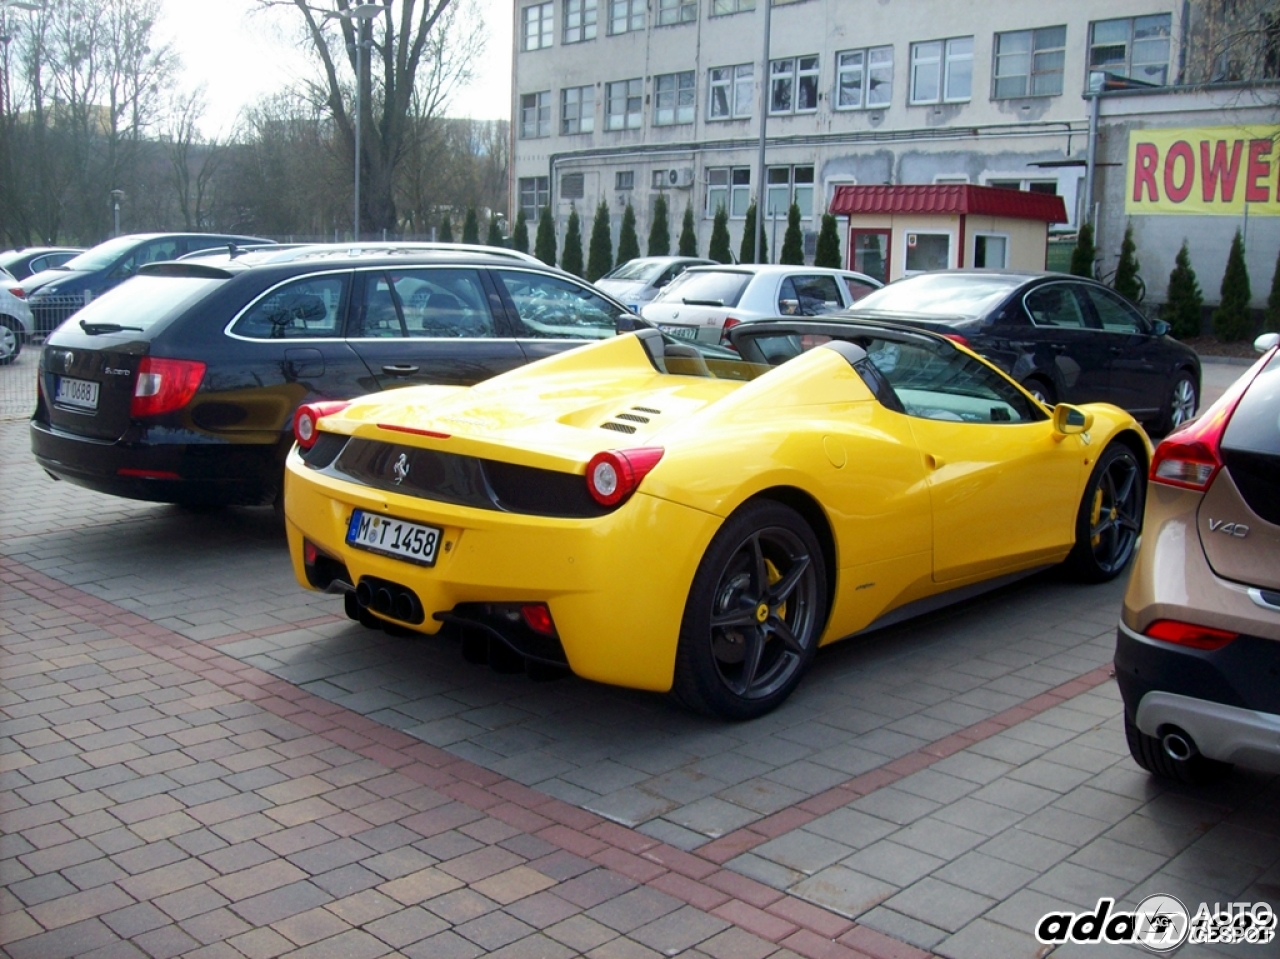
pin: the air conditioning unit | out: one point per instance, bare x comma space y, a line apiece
681, 177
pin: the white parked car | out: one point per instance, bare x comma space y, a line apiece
638, 281
15, 318
705, 301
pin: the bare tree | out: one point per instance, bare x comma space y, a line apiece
192, 163
418, 53
1233, 40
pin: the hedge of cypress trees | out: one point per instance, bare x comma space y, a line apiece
520, 236
793, 240
446, 229
545, 243
1183, 301
471, 227
828, 252
719, 249
494, 237
1085, 252
1126, 281
600, 250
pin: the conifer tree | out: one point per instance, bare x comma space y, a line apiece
659, 231
1183, 301
1271, 320
520, 236
495, 232
828, 252
600, 252
688, 235
1085, 252
545, 242
1126, 282
1232, 320
747, 251
793, 240
719, 250
446, 230
471, 227
571, 257
628, 242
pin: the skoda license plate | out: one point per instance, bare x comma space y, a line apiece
681, 332
394, 537
82, 394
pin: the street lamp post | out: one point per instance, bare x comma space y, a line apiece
762, 188
360, 15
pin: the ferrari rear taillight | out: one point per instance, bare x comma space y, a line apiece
538, 618
613, 475
164, 385
307, 417
1189, 634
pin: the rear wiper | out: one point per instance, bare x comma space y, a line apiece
95, 328
688, 302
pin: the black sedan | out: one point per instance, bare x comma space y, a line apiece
180, 384
1064, 338
33, 259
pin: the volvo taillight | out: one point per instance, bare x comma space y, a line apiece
613, 475
1189, 634
164, 385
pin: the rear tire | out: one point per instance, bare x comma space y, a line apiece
1041, 390
1184, 400
10, 340
754, 615
1110, 516
1150, 755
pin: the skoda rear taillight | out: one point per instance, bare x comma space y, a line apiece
307, 417
613, 475
19, 292
164, 385
729, 323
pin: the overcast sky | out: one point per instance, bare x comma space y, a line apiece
241, 53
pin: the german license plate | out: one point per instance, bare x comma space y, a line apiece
82, 394
389, 536
681, 332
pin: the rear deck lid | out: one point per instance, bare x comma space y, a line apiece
89, 366
1239, 520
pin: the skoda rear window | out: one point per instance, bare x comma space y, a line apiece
713, 288
144, 301
1255, 425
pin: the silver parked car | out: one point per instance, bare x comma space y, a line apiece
15, 318
705, 301
638, 281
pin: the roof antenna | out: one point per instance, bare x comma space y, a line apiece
232, 252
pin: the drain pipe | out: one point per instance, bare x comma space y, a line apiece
1096, 82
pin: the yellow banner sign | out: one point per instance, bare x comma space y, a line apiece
1208, 170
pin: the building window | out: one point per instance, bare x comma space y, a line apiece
677, 11
1030, 186
731, 92
864, 79
624, 103
535, 115
928, 251
1029, 62
942, 70
535, 194
793, 85
673, 99
579, 20
577, 110
537, 25
721, 7
1134, 47
728, 187
625, 15
787, 185
990, 251
624, 180
573, 186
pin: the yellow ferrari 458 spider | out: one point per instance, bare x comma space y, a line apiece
645, 515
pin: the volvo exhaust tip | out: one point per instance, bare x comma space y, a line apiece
1178, 746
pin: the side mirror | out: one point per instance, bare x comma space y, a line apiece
1071, 419
629, 323
1265, 342
1160, 328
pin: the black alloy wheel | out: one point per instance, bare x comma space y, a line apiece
754, 614
1110, 516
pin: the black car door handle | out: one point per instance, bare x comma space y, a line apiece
1058, 348
399, 370
1116, 351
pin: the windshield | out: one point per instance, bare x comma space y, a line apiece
942, 294
641, 271
143, 301
102, 255
723, 288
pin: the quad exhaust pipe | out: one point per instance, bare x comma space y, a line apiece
389, 599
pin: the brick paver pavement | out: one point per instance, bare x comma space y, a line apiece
199, 758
